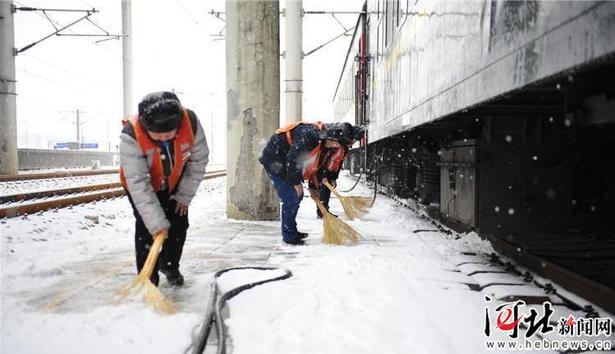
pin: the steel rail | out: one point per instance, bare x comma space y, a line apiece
113, 192
30, 208
57, 174
62, 174
11, 198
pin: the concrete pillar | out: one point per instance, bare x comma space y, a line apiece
129, 108
294, 60
253, 105
8, 108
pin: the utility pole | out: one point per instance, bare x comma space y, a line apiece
253, 105
294, 60
78, 124
8, 108
129, 109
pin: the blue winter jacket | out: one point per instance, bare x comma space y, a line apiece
285, 160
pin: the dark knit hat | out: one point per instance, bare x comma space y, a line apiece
341, 132
160, 112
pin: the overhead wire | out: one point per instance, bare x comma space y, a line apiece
87, 81
92, 42
80, 75
39, 76
187, 13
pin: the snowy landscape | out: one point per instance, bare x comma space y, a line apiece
481, 134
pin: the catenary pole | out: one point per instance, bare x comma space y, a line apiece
129, 108
8, 108
294, 59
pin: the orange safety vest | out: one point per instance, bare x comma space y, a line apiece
182, 145
335, 159
310, 167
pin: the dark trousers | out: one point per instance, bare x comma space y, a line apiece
172, 248
290, 206
325, 196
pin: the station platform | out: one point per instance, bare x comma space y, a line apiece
407, 286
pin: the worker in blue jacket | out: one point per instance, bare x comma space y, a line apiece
291, 156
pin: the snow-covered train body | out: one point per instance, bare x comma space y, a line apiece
498, 116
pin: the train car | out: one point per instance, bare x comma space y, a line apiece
497, 117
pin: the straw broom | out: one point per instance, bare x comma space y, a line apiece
354, 207
336, 232
142, 286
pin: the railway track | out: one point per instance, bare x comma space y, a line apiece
14, 205
60, 174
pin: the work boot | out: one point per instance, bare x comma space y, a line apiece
174, 277
294, 240
298, 242
303, 235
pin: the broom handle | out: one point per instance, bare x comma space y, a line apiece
152, 257
320, 207
337, 194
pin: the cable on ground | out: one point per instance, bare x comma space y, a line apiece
216, 304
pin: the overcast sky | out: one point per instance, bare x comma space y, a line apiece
173, 49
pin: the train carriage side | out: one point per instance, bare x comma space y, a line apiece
499, 117
350, 98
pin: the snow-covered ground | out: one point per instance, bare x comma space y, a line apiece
404, 288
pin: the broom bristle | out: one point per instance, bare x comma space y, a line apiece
142, 286
355, 207
143, 289
337, 232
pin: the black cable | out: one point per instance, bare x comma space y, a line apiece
199, 346
364, 152
355, 184
375, 180
214, 308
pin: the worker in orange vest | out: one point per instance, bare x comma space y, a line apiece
163, 156
291, 156
331, 164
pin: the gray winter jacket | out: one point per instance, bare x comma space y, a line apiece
136, 170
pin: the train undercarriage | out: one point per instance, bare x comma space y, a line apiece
533, 171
